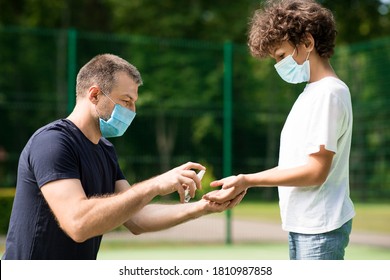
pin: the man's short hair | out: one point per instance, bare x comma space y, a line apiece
102, 70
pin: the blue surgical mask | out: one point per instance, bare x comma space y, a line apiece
292, 72
118, 123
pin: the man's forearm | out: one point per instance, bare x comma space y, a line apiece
155, 217
98, 215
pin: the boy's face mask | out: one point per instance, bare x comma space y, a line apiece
292, 72
118, 122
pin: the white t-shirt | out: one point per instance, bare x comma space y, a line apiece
322, 115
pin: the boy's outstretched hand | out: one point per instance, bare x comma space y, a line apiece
232, 187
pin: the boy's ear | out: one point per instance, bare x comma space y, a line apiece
309, 42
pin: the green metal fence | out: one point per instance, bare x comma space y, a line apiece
201, 101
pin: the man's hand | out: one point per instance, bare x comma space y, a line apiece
213, 206
179, 179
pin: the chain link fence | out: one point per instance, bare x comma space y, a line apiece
185, 112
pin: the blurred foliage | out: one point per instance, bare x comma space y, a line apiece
218, 20
6, 200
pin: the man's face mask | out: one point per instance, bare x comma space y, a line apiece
118, 123
290, 71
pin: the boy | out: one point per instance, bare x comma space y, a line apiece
313, 170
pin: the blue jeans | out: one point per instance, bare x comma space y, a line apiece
324, 246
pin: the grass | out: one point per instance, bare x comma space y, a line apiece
372, 218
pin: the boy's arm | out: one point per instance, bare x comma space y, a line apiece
313, 173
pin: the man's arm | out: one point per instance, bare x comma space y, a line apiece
155, 217
82, 217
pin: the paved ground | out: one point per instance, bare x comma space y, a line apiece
212, 229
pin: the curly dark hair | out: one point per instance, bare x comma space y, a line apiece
291, 20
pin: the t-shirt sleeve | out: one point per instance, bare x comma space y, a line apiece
52, 158
327, 122
119, 174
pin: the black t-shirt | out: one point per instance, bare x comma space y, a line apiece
58, 150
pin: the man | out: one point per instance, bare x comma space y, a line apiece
313, 169
70, 188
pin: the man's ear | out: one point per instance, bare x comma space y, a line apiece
94, 94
